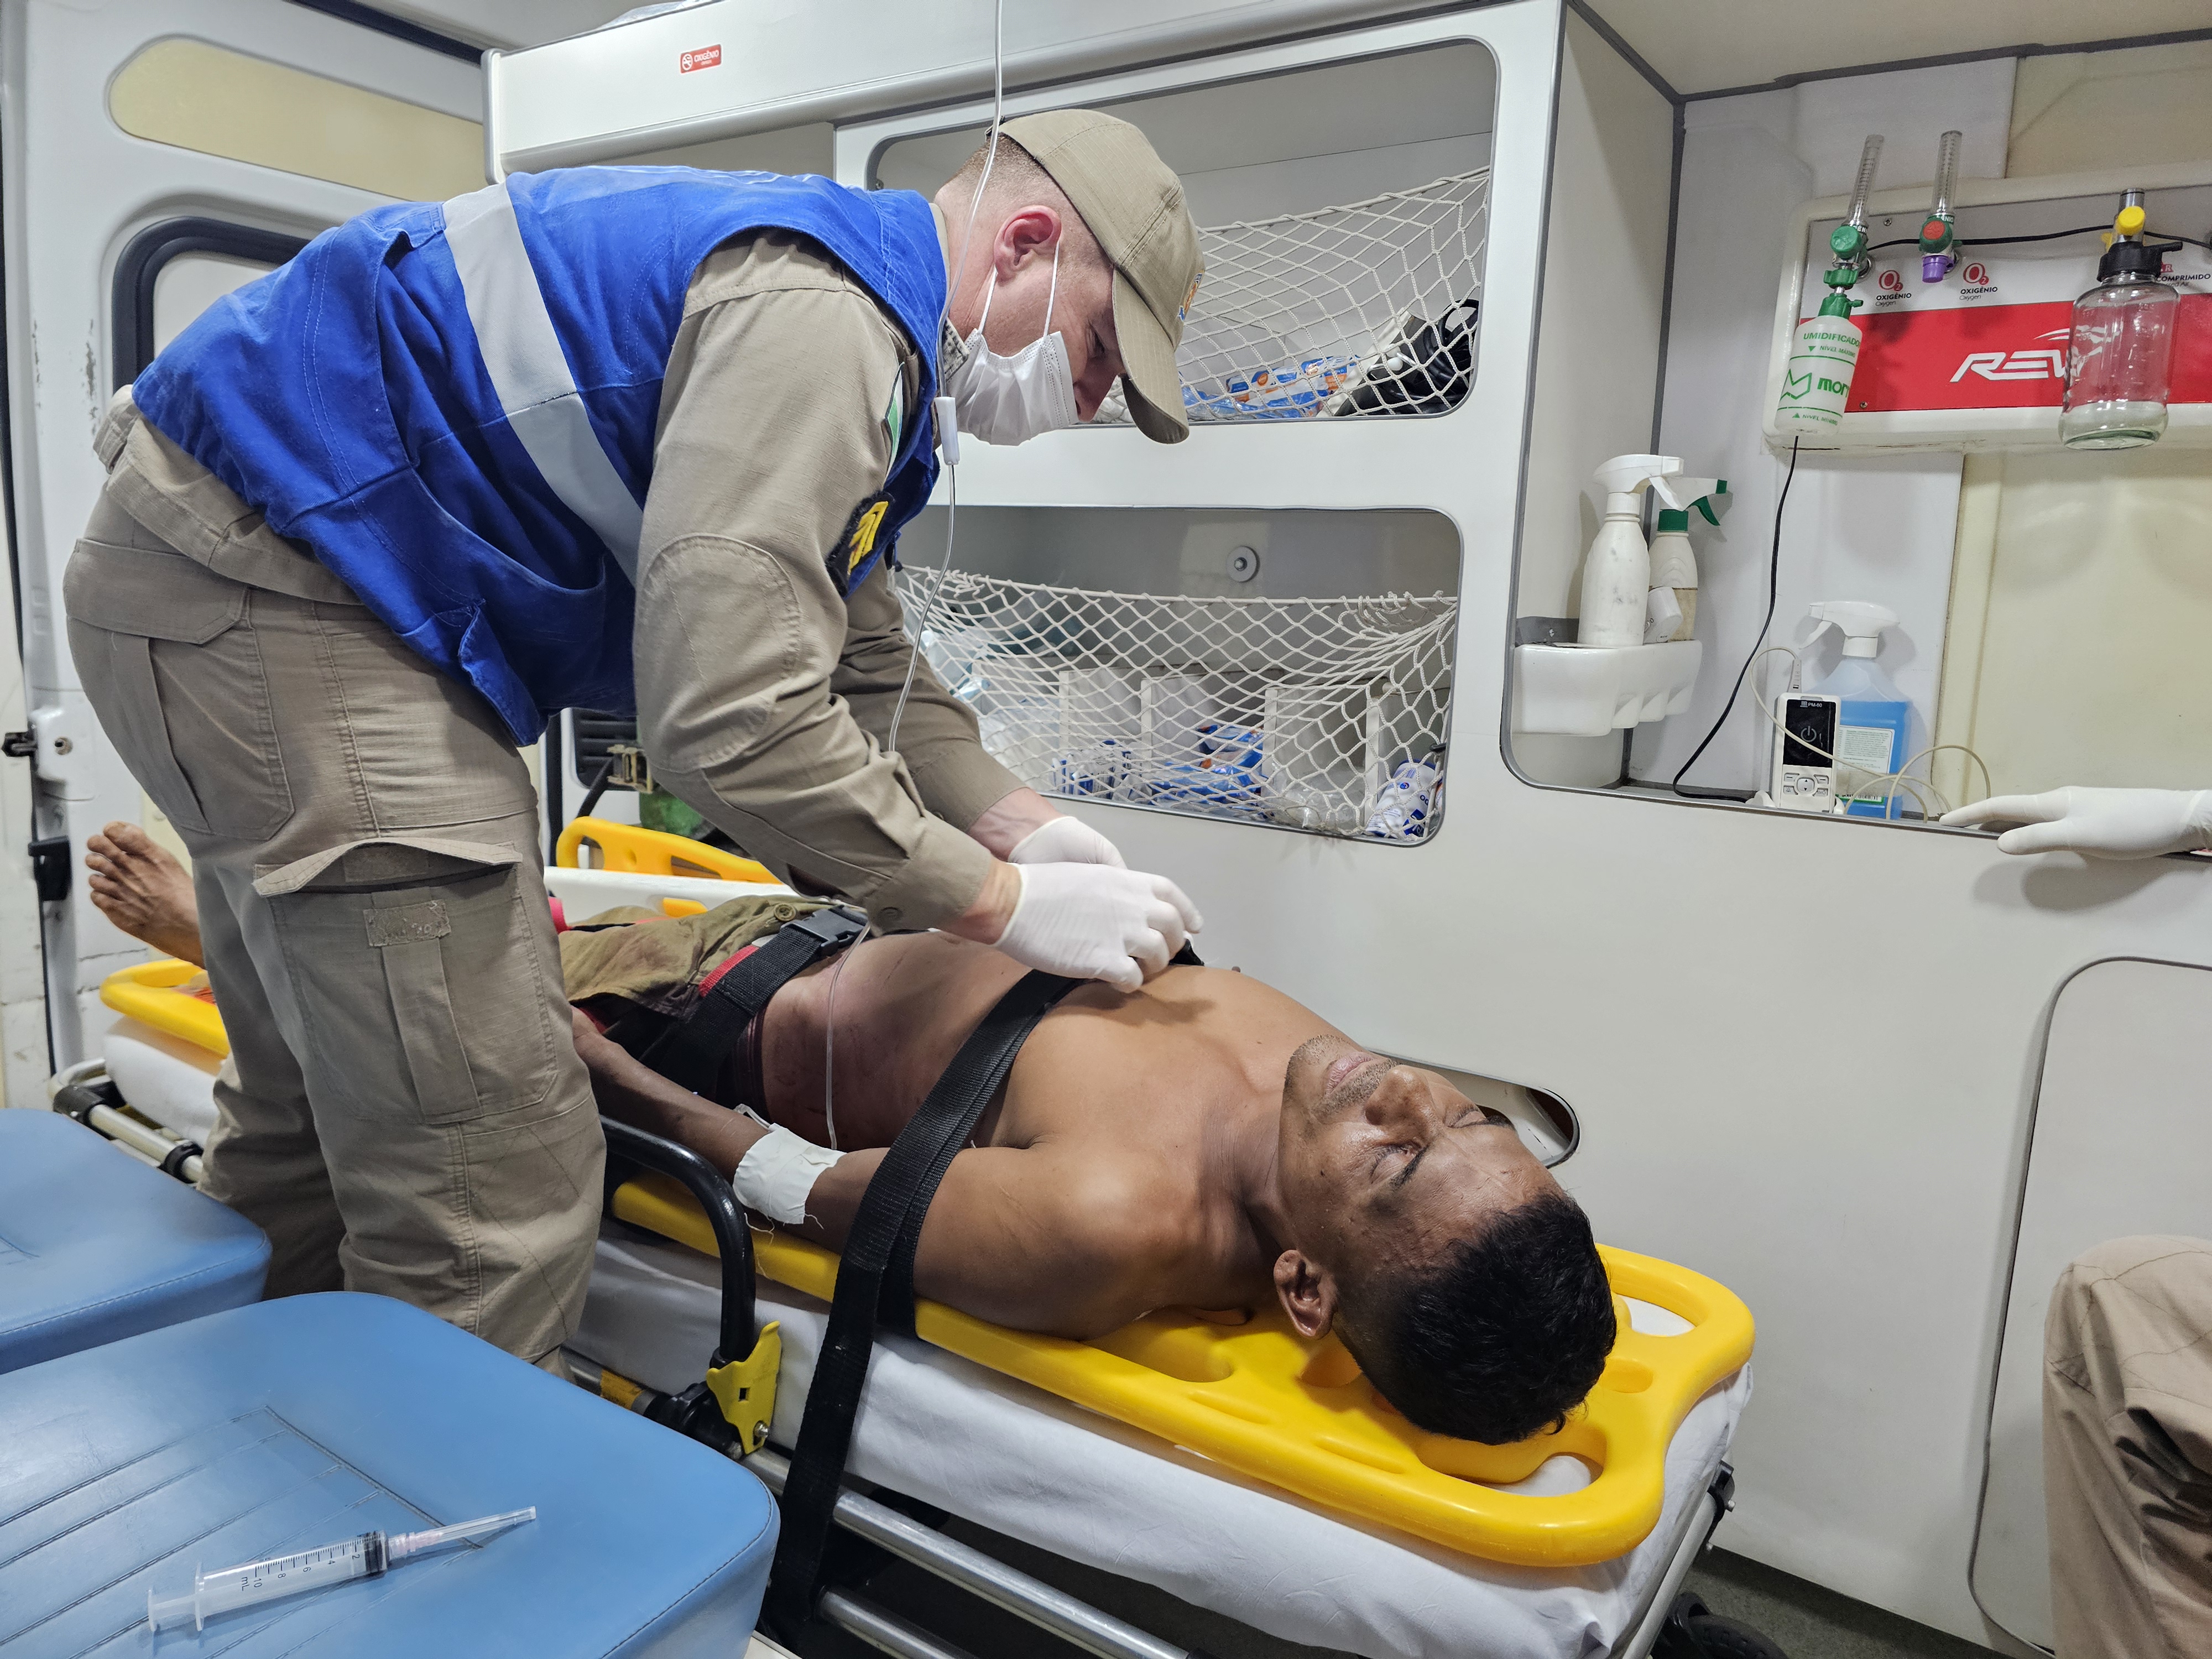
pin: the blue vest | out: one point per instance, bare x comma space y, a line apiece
454, 404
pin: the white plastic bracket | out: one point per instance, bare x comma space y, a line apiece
58, 754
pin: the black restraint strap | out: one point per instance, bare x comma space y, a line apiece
690, 1053
898, 1195
875, 1282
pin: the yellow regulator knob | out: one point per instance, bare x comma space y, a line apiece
2130, 223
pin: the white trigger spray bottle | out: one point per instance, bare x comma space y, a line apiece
1617, 573
1874, 726
1673, 612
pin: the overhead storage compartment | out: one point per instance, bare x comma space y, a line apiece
724, 69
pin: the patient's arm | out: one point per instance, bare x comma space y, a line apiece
1028, 1237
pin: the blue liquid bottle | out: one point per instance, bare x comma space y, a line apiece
1875, 727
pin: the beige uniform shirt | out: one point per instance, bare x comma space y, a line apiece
764, 697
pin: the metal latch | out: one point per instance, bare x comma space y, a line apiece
50, 868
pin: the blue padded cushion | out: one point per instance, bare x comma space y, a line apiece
95, 1245
290, 1424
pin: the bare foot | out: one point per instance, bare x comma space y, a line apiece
140, 888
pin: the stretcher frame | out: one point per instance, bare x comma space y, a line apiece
695, 1412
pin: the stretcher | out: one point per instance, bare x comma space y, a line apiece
1008, 1456
1567, 1549
1269, 1404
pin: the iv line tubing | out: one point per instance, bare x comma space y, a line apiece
951, 522
959, 271
829, 1048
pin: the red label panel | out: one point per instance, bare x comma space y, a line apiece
2000, 357
702, 58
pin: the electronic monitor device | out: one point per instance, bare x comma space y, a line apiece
1804, 778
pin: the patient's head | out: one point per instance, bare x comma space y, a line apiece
1444, 1254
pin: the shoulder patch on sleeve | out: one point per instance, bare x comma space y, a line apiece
857, 541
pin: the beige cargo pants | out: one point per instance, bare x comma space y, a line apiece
405, 1112
2127, 1450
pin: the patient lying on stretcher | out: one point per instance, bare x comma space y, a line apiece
1205, 1143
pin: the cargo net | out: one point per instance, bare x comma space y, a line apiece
1366, 309
1321, 714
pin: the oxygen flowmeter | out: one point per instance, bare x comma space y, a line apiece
1937, 232
1816, 383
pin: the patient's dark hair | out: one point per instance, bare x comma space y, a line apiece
1501, 1339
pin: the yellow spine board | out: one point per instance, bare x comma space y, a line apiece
148, 992
1267, 1403
635, 850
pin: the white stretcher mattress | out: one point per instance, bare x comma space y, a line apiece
1009, 1457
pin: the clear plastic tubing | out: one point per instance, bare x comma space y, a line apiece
367, 1555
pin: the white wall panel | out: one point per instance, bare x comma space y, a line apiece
1878, 528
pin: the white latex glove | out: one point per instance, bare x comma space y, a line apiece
1094, 922
1066, 841
2109, 824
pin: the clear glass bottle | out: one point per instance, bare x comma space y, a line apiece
2121, 348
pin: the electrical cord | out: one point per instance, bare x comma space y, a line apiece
1773, 576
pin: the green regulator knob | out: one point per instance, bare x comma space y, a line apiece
1848, 242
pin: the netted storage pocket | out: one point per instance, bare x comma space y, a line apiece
1325, 714
1366, 309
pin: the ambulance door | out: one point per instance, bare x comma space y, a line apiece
153, 156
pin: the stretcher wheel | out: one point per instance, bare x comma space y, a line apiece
1694, 1631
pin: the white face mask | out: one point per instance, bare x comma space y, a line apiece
1009, 400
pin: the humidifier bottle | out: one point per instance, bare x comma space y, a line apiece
1824, 351
1816, 387
1617, 571
2121, 351
1874, 723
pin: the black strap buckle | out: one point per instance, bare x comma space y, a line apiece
832, 928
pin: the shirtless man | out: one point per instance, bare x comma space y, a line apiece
1205, 1142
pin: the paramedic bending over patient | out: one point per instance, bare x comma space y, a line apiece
2127, 1349
371, 520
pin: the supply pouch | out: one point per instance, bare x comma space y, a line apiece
1419, 367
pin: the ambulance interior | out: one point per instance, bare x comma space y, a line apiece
1489, 287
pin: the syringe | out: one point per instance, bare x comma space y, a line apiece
367, 1555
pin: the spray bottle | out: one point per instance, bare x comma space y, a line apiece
1673, 565
1875, 725
1617, 574
1825, 350
1937, 240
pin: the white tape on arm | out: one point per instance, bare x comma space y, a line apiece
775, 1175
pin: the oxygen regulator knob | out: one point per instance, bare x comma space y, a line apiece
1848, 242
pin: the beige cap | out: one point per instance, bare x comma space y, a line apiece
1134, 206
